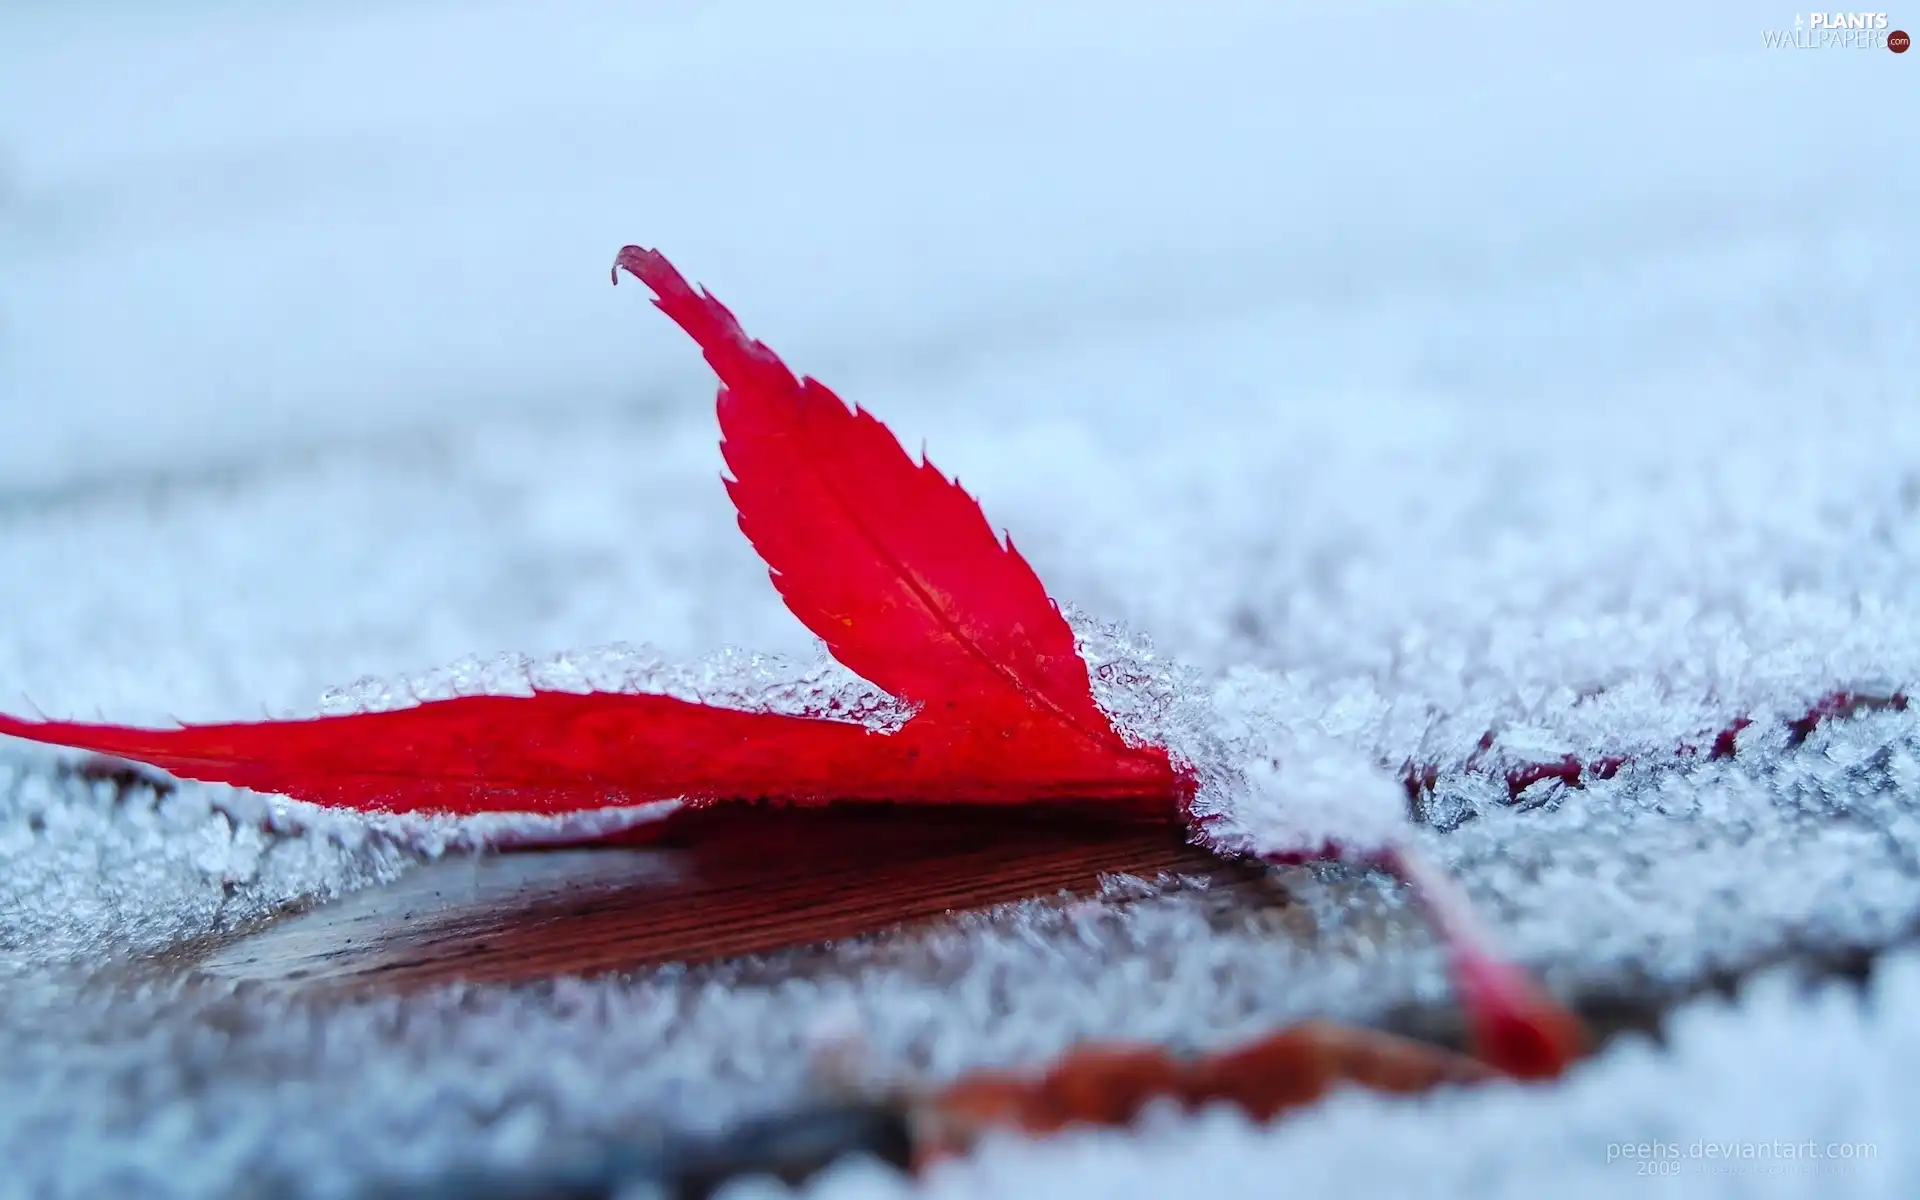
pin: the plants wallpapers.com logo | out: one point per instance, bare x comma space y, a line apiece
1839, 31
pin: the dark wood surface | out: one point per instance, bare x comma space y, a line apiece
719, 884
739, 881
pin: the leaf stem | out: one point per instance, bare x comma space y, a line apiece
1516, 1026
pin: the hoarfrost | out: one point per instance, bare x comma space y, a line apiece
1751, 1080
730, 678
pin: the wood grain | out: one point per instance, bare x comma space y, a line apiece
719, 884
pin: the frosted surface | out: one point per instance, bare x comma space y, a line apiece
1402, 375
1731, 1107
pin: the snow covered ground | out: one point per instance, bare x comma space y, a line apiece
1406, 371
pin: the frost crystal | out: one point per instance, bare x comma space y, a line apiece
1276, 776
818, 687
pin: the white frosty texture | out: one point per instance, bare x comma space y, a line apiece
1275, 775
1407, 372
729, 679
1756, 1081
1273, 781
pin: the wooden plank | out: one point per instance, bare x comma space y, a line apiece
727, 883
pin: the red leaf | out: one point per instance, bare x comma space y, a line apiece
557, 752
885, 559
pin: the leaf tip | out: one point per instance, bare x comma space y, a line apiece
639, 262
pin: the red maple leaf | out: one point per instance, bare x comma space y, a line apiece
895, 568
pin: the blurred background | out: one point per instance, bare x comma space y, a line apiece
231, 230
1226, 308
